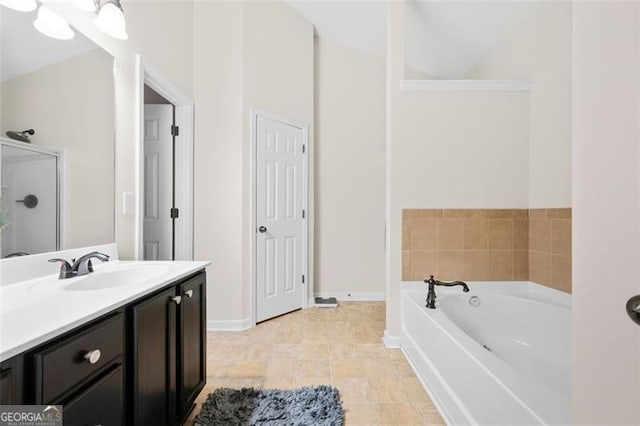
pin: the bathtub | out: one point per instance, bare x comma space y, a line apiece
499, 354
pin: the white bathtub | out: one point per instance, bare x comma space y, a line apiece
505, 361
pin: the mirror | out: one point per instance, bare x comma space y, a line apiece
64, 91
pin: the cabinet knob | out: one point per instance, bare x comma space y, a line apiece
189, 293
93, 356
176, 300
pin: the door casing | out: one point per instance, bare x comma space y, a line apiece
183, 239
307, 287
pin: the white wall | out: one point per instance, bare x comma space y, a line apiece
70, 104
278, 79
606, 212
246, 54
350, 170
219, 154
447, 150
539, 49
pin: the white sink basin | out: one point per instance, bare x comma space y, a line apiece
125, 276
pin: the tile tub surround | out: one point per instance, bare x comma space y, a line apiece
488, 245
340, 347
550, 248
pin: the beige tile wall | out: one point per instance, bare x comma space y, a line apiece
550, 247
488, 244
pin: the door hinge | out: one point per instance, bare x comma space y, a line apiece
174, 213
304, 149
175, 130
304, 214
303, 279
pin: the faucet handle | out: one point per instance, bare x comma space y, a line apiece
430, 280
66, 270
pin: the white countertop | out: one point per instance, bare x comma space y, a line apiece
39, 309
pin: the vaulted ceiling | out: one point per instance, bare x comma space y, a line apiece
444, 38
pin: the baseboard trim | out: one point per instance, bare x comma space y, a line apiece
229, 325
362, 297
391, 342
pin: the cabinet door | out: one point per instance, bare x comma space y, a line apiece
153, 361
11, 381
101, 404
192, 338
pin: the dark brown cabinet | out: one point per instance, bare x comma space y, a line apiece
192, 343
11, 383
168, 353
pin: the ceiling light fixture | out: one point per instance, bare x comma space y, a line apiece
20, 5
53, 25
110, 19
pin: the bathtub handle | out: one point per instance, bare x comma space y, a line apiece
633, 309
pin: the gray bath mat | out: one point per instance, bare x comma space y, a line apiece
298, 407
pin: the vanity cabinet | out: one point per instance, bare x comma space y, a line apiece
140, 364
83, 372
168, 353
11, 383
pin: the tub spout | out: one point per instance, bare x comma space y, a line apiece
431, 294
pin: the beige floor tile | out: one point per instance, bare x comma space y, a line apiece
280, 383
249, 369
380, 368
341, 347
313, 381
345, 351
310, 368
346, 368
360, 414
398, 414
428, 413
387, 390
353, 390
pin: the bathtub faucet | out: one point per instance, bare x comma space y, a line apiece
431, 294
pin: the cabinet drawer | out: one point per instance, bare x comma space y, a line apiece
101, 404
64, 365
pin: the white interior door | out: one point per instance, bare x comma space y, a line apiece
280, 245
158, 182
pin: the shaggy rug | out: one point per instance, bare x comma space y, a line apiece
298, 407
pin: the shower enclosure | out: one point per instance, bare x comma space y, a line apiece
30, 201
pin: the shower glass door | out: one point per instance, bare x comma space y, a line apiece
30, 199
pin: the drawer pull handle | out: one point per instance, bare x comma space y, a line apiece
176, 300
93, 356
189, 293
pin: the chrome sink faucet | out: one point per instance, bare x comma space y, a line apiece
431, 294
80, 266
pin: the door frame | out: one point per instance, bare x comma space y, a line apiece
253, 153
183, 238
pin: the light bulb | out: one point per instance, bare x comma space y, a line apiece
53, 25
111, 21
20, 5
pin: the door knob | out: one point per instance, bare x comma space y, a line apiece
633, 309
262, 229
176, 300
93, 356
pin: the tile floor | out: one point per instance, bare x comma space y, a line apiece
341, 347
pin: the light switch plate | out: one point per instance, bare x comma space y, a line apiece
128, 203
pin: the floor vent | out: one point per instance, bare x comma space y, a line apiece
326, 302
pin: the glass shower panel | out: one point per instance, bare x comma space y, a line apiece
29, 201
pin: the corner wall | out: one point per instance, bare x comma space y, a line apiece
539, 49
350, 171
606, 211
253, 54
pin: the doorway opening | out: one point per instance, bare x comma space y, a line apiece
164, 222
159, 212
